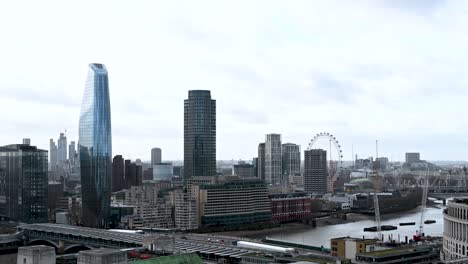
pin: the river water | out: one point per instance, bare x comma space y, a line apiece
320, 236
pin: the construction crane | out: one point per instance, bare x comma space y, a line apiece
377, 189
419, 235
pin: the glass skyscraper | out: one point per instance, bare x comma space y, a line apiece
23, 183
95, 148
199, 134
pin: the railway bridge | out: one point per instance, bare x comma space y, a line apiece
72, 239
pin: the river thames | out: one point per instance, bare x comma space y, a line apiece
320, 236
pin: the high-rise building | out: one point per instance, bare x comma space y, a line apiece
23, 183
412, 157
156, 156
273, 159
255, 165
95, 148
261, 161
133, 174
291, 159
62, 148
53, 155
315, 171
118, 173
199, 134
71, 151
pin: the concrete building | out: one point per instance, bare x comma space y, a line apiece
456, 229
261, 161
290, 207
412, 157
233, 202
273, 159
163, 172
23, 183
36, 255
156, 156
297, 180
348, 247
244, 171
185, 210
315, 171
152, 207
199, 134
102, 256
343, 201
291, 159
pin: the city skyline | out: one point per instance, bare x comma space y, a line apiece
374, 87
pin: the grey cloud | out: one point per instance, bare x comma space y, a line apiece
328, 87
236, 72
249, 116
41, 97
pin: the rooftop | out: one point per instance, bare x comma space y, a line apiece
176, 259
396, 251
463, 200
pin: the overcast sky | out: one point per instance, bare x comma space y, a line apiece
395, 71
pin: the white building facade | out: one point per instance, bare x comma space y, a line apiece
456, 229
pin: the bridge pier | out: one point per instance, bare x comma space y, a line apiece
61, 247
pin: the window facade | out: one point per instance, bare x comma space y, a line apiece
95, 148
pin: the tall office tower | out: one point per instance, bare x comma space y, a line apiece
95, 148
53, 155
62, 148
291, 159
199, 134
23, 183
315, 171
71, 151
133, 174
156, 156
261, 161
255, 165
118, 173
273, 159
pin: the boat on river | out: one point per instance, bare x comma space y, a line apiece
407, 223
382, 228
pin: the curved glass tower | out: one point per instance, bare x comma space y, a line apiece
95, 148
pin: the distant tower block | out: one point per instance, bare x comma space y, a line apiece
102, 256
36, 255
156, 156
